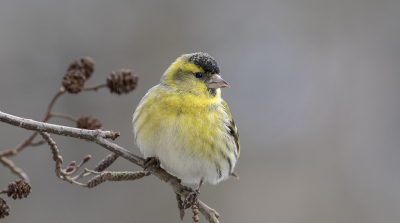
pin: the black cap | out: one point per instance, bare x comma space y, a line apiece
204, 61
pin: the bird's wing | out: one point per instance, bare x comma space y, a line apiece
232, 127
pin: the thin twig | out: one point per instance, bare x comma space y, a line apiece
15, 170
87, 158
58, 94
38, 143
99, 137
56, 157
84, 173
65, 116
26, 142
15, 150
95, 88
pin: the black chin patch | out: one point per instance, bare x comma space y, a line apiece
212, 92
205, 61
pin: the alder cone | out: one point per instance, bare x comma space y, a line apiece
122, 81
74, 81
19, 189
4, 208
89, 122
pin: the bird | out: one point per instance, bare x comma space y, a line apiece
184, 125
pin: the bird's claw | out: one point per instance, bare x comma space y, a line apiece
150, 161
194, 194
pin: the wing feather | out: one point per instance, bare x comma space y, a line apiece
232, 127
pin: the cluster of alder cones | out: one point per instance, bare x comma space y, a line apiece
119, 82
17, 189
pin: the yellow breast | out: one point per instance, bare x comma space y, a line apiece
189, 135
190, 122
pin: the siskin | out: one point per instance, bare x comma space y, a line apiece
185, 126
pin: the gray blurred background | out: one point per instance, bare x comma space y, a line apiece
314, 92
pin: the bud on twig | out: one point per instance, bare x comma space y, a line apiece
87, 158
72, 163
70, 169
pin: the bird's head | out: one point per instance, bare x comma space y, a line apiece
196, 73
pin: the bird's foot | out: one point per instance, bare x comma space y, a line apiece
151, 161
193, 194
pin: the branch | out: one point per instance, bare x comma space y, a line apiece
100, 137
61, 173
38, 143
15, 170
28, 141
15, 150
65, 116
58, 94
30, 124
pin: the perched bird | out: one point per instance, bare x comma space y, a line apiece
184, 124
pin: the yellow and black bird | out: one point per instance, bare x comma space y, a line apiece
185, 125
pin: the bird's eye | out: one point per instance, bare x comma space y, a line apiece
198, 75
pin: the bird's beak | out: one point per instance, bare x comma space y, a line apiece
216, 82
